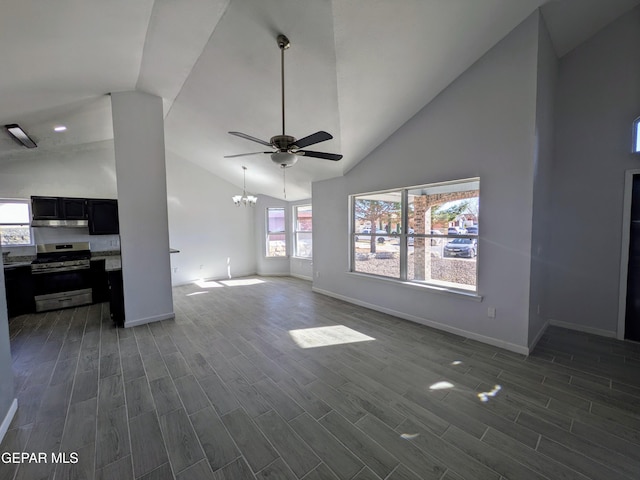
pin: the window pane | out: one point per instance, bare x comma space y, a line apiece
303, 218
14, 223
275, 219
377, 254
304, 244
12, 212
276, 245
15, 235
378, 213
448, 209
452, 263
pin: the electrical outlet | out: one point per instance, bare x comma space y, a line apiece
201, 267
175, 269
491, 312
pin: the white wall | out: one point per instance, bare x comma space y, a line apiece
543, 164
270, 265
598, 97
483, 125
206, 226
86, 171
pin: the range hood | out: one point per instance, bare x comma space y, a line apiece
60, 223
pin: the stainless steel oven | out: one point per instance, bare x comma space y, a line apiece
62, 276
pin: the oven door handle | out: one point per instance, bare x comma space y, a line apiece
57, 270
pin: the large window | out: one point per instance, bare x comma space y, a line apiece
15, 216
426, 234
276, 234
302, 234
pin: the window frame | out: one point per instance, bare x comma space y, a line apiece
26, 202
269, 232
404, 236
295, 231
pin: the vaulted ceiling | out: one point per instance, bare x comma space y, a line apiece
358, 69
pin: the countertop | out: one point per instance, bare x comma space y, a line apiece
111, 257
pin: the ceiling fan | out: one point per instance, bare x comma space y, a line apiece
287, 149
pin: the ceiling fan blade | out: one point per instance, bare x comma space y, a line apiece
326, 156
249, 137
314, 138
244, 154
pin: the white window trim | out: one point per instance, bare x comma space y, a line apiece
295, 231
28, 203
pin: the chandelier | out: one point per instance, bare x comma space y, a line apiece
244, 199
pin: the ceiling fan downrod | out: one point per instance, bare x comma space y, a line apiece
283, 44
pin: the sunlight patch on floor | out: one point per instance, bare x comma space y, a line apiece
241, 282
441, 386
207, 284
484, 396
326, 336
195, 293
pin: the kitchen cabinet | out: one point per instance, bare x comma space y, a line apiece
74, 208
58, 212
99, 281
46, 208
99, 214
19, 290
103, 216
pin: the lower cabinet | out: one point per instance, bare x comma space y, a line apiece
19, 290
116, 297
99, 281
107, 287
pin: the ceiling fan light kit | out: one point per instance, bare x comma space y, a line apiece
288, 149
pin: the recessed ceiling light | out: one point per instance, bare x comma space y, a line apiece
60, 128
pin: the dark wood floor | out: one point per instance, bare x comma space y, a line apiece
225, 392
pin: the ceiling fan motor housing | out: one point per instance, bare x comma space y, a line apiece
283, 142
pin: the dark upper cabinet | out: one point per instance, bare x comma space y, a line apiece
57, 208
74, 208
46, 208
103, 217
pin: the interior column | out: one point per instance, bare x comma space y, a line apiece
138, 131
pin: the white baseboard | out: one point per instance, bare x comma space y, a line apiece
512, 347
4, 426
143, 321
583, 328
215, 279
302, 277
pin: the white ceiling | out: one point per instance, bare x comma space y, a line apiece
358, 69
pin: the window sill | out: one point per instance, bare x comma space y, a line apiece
423, 287
302, 258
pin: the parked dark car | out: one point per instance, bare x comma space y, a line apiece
461, 247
